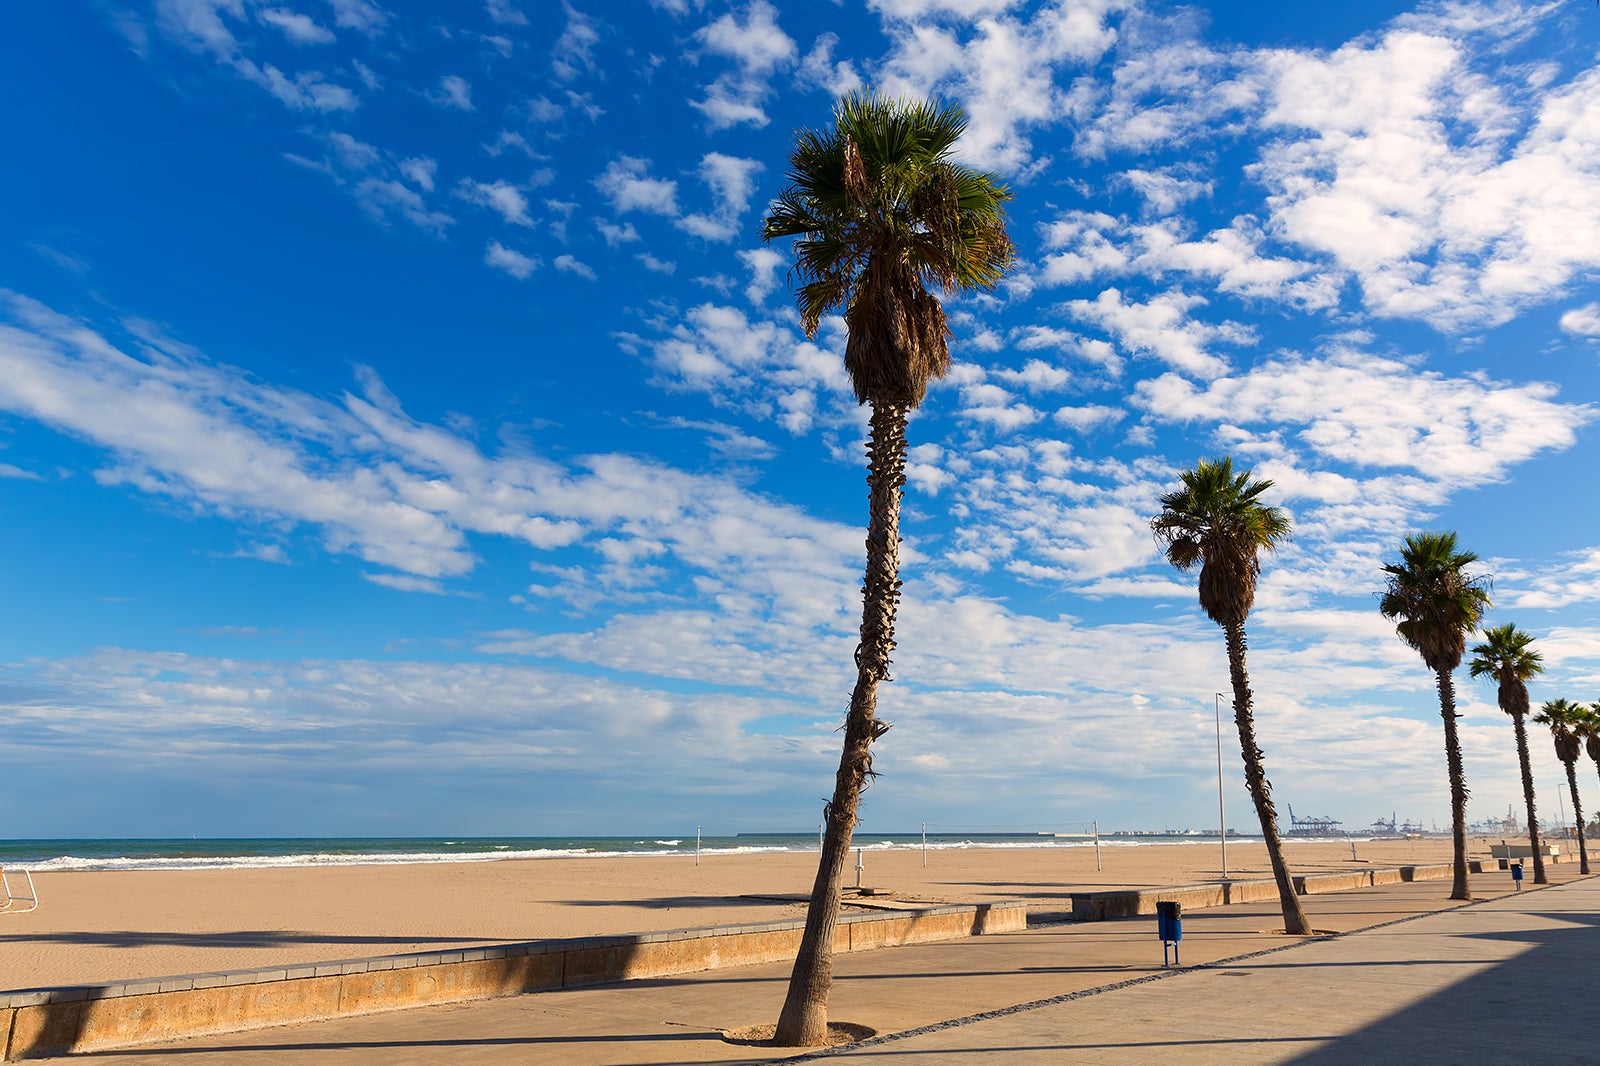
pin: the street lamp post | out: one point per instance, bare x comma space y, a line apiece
1222, 814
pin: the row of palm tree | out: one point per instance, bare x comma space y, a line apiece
1217, 520
879, 213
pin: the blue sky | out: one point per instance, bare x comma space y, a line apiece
404, 429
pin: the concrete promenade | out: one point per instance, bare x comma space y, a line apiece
1496, 981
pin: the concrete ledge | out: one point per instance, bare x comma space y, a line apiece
1126, 903
35, 1023
1250, 891
1312, 884
1427, 873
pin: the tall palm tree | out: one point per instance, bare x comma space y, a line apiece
1217, 520
1565, 719
1436, 603
879, 213
1507, 655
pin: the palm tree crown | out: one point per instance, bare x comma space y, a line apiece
1217, 521
1507, 655
881, 213
1564, 720
1436, 602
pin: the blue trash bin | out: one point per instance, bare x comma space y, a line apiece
1169, 926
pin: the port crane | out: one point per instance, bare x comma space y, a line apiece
1305, 827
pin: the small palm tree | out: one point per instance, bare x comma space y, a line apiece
1507, 655
1436, 603
879, 212
1565, 719
1217, 520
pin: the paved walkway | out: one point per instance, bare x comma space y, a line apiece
1500, 982
1496, 981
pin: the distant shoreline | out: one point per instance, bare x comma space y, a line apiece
128, 854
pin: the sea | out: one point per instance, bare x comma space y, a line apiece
215, 854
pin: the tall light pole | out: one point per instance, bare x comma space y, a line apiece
1222, 814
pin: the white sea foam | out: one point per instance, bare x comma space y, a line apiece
663, 847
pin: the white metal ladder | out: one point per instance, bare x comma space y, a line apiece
12, 899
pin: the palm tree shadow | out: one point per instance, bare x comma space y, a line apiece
1506, 1013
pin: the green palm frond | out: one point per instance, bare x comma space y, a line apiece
1432, 599
1507, 655
1564, 719
879, 215
1217, 520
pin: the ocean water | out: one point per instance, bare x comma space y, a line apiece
212, 854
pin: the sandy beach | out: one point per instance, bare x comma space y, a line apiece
114, 925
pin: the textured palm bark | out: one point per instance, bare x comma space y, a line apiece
1577, 815
804, 1020
1539, 876
1458, 785
1295, 922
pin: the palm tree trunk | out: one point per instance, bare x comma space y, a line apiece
804, 1020
1458, 785
1577, 816
1295, 922
1539, 876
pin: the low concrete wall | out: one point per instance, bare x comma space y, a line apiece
1312, 884
1126, 903
1250, 891
55, 1021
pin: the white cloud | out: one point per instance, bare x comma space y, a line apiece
573, 54
406, 583
995, 407
1088, 417
201, 26
614, 235
505, 13
758, 47
572, 266
1004, 69
1582, 321
1162, 328
1402, 163
296, 28
657, 266
510, 260
1165, 192
404, 495
542, 109
1576, 580
379, 197
763, 264
625, 184
1369, 411
420, 172
360, 15
731, 181
452, 92
505, 199
819, 68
